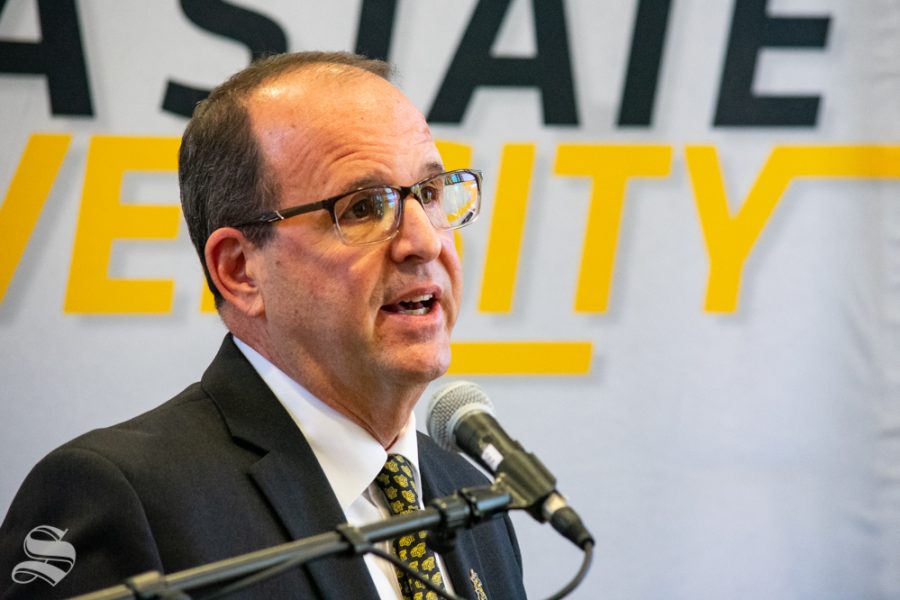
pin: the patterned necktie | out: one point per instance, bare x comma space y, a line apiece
397, 483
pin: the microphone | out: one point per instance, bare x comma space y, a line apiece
461, 418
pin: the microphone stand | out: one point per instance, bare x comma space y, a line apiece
464, 509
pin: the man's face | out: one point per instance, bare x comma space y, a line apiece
348, 321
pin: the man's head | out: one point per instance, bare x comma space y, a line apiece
221, 172
364, 327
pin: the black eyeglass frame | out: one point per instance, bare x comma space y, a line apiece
404, 191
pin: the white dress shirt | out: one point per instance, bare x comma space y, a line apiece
349, 456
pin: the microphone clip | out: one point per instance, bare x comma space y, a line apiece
466, 508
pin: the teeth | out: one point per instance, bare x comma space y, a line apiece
415, 305
422, 298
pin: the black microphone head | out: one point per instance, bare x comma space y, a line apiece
450, 404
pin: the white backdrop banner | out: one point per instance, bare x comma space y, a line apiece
683, 293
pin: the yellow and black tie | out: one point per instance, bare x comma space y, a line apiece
397, 483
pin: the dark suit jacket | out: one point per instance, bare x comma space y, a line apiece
219, 470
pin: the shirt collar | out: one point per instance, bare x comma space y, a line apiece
349, 456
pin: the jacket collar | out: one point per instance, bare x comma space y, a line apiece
464, 559
287, 473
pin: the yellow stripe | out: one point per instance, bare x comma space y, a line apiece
521, 358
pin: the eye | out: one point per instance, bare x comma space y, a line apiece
360, 209
364, 206
430, 194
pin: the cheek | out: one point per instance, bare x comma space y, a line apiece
316, 278
351, 278
453, 266
301, 280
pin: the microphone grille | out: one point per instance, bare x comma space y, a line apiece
449, 404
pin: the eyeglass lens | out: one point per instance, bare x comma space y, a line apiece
450, 200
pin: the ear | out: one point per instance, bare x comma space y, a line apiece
230, 260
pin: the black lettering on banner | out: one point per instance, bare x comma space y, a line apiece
647, 42
473, 66
376, 27
59, 55
259, 33
751, 30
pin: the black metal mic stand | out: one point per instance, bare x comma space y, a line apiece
443, 516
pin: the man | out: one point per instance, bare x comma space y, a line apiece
319, 205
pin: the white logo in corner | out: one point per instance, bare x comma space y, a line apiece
52, 558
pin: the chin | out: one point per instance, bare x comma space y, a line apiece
428, 373
424, 366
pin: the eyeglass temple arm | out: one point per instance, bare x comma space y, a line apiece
282, 214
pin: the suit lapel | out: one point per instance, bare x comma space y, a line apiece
465, 558
287, 474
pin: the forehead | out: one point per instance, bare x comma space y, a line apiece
322, 133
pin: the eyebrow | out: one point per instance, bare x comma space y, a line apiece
431, 169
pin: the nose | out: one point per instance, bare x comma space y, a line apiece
417, 239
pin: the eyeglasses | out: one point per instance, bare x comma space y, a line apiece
371, 215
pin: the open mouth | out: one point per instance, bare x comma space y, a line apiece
417, 305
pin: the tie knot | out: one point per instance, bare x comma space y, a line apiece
398, 485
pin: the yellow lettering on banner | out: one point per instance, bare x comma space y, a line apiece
207, 300
521, 358
610, 168
104, 219
454, 154
730, 239
498, 283
28, 191
510, 358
